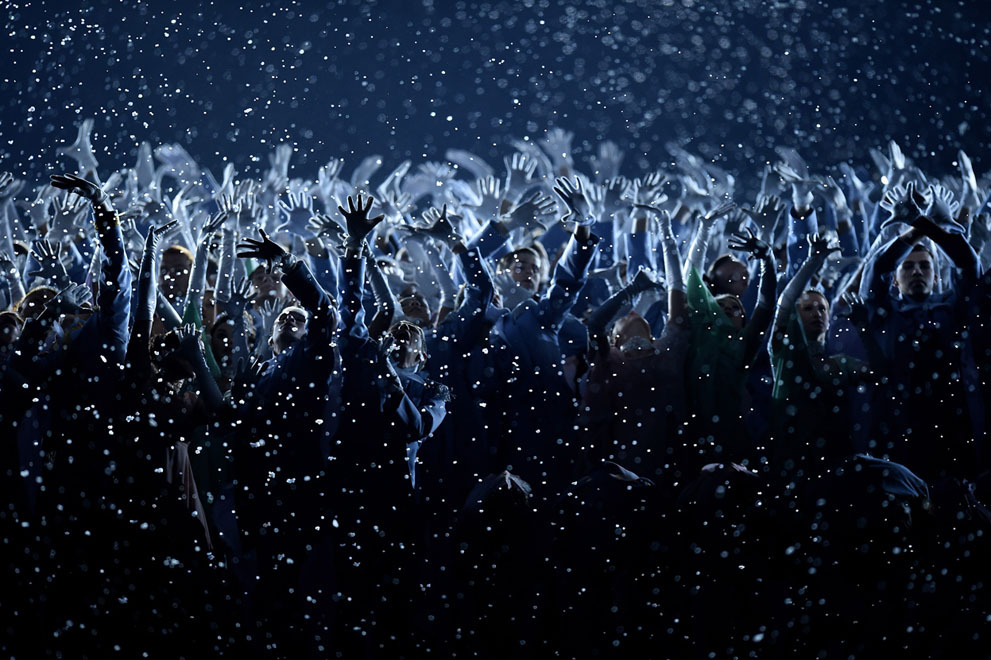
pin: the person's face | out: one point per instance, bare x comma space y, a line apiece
174, 275
221, 339
733, 310
731, 277
916, 276
409, 346
525, 271
813, 310
267, 286
290, 327
415, 307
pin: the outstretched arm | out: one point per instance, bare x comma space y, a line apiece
385, 301
819, 250
700, 243
607, 310
114, 296
767, 290
300, 282
197, 278
673, 274
191, 349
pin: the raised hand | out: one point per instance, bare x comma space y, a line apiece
69, 300
296, 211
469, 162
395, 178
520, 169
327, 176
277, 177
944, 205
766, 214
247, 373
79, 186
327, 228
269, 311
362, 175
82, 149
641, 282
607, 161
213, 225
7, 266
531, 211
179, 164
9, 186
266, 249
574, 197
751, 244
356, 219
649, 187
971, 193
832, 193
440, 227
63, 222
615, 193
156, 234
820, 247
489, 192
189, 342
856, 309
904, 203
861, 189
228, 204
249, 214
792, 167
653, 206
239, 299
438, 173
394, 205
793, 170
510, 293
49, 258
711, 216
557, 144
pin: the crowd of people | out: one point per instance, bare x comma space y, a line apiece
464, 411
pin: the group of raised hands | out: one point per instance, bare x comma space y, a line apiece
447, 203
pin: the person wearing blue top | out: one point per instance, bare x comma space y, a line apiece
930, 378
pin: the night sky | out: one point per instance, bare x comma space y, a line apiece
730, 79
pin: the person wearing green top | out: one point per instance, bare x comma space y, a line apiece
725, 345
810, 421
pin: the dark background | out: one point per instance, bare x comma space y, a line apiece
730, 79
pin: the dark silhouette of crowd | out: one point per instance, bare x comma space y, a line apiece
465, 411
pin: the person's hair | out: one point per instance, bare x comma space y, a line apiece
11, 316
923, 246
709, 277
219, 320
623, 322
414, 331
509, 258
178, 250
543, 260
816, 292
40, 294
